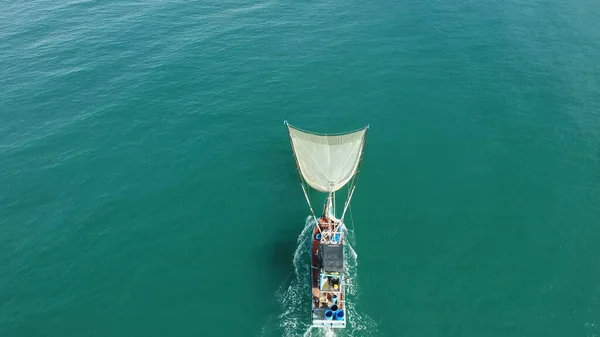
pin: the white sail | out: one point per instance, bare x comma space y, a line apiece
327, 162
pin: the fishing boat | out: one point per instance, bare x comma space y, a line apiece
327, 163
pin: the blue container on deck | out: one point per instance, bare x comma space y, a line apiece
335, 238
339, 315
328, 315
318, 237
334, 299
334, 308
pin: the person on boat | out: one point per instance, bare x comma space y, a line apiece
324, 222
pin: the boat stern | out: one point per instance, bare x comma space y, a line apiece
320, 321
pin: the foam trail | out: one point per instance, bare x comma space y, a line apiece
319, 332
294, 299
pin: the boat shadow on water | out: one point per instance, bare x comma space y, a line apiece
282, 258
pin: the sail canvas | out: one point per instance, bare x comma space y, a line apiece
327, 162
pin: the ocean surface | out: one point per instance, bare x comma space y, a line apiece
148, 188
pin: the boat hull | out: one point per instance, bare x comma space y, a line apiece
322, 300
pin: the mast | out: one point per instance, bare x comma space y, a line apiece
329, 209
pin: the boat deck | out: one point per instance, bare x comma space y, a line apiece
322, 300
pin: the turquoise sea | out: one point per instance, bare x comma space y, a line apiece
148, 188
